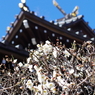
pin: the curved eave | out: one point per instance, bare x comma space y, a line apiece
16, 26
10, 50
88, 28
42, 22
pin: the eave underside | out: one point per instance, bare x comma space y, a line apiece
42, 30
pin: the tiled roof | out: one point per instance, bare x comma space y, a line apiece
68, 21
56, 26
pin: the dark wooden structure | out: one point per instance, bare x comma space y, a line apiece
6, 49
29, 30
40, 29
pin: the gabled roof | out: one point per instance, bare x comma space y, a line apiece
61, 29
77, 20
39, 30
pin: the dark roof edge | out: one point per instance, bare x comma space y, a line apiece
16, 25
12, 49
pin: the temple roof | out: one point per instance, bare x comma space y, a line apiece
61, 28
16, 52
28, 30
64, 21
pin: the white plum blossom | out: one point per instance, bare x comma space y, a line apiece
41, 77
54, 90
36, 56
54, 73
67, 54
28, 60
55, 52
36, 67
65, 87
16, 68
72, 83
20, 64
15, 61
29, 84
9, 74
45, 92
30, 68
47, 48
40, 88
60, 81
77, 67
76, 75
49, 71
26, 65
40, 49
71, 71
48, 42
50, 85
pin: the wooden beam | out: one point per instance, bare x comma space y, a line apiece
39, 35
17, 53
52, 27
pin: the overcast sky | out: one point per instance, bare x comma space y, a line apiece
9, 8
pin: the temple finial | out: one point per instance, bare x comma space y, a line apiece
67, 16
56, 4
23, 1
75, 11
23, 6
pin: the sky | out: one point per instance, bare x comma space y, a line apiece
9, 8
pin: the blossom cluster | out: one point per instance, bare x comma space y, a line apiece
53, 70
